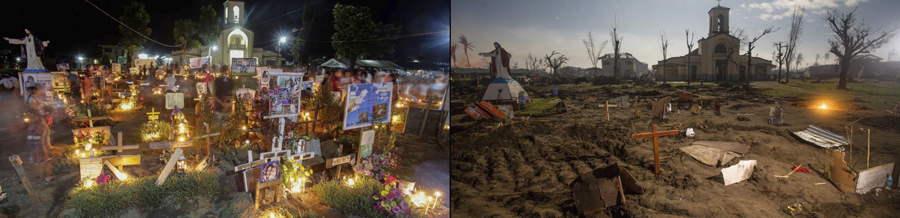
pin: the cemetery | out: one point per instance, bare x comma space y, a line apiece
261, 149
559, 141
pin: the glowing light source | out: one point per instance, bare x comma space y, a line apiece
88, 183
350, 182
87, 146
823, 106
180, 139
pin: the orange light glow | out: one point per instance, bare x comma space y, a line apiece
823, 106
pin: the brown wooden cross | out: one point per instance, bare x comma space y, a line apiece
655, 136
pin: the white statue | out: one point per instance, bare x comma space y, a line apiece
499, 61
32, 50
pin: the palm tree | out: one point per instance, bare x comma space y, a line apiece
466, 45
453, 53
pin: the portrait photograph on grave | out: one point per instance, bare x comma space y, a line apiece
716, 108
269, 172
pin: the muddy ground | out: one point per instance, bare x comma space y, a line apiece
523, 167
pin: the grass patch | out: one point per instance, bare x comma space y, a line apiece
356, 200
538, 106
116, 197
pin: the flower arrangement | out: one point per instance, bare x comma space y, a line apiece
102, 179
391, 199
379, 165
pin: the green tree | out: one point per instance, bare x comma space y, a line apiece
105, 60
136, 17
298, 46
357, 34
208, 25
185, 31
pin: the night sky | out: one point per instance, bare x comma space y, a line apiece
75, 27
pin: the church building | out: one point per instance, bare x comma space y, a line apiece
235, 41
709, 62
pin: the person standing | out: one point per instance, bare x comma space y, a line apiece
39, 126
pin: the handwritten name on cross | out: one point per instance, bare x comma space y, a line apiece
655, 136
153, 115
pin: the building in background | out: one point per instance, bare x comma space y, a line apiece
629, 66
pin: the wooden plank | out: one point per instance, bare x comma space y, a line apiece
337, 161
249, 165
124, 147
169, 166
119, 174
838, 171
17, 164
729, 146
302, 156
124, 160
656, 134
280, 115
180, 144
160, 145
208, 135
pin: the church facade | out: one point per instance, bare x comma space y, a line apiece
710, 61
235, 41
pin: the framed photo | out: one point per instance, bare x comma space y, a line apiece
269, 172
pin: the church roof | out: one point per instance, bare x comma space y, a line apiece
719, 8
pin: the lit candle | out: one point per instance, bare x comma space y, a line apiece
426, 205
437, 196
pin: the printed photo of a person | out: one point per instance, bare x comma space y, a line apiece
269, 172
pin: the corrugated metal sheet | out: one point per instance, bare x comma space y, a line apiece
821, 137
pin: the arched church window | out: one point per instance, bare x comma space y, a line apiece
720, 48
236, 18
721, 23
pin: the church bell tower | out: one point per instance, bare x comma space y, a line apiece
234, 13
718, 20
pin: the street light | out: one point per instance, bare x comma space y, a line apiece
278, 57
80, 59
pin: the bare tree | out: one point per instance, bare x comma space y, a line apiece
793, 40
797, 60
732, 50
689, 37
779, 47
750, 47
453, 53
892, 54
593, 52
664, 45
533, 62
827, 56
852, 38
617, 44
555, 63
466, 45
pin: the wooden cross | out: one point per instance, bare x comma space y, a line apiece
607, 105
249, 165
153, 115
655, 136
119, 159
17, 164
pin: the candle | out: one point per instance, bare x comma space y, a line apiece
426, 205
437, 196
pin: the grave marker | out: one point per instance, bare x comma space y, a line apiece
119, 174
337, 162
366, 143
17, 163
655, 136
90, 167
153, 115
169, 166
